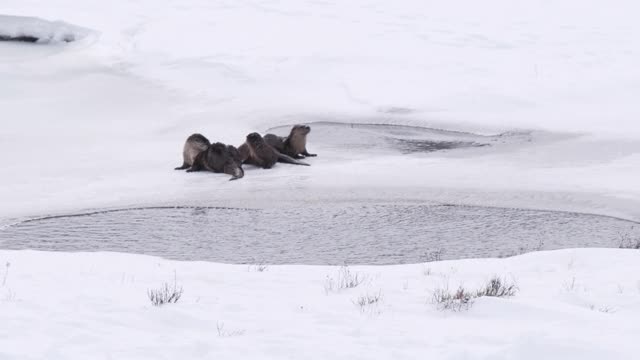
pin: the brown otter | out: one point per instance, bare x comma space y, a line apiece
256, 151
294, 145
219, 158
194, 145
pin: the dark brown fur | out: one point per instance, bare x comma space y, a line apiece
256, 151
294, 145
219, 158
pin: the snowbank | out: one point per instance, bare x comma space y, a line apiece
32, 29
571, 304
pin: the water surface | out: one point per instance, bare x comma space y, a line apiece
323, 234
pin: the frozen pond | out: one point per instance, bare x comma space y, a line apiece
323, 234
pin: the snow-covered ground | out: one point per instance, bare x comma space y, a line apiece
571, 304
100, 123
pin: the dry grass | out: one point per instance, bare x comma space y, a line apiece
462, 299
166, 294
345, 279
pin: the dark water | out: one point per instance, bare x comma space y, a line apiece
327, 234
26, 38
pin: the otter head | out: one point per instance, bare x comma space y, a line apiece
254, 139
300, 130
297, 140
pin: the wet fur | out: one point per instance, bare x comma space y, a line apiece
256, 151
294, 145
219, 158
194, 145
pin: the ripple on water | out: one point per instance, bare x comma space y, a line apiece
335, 234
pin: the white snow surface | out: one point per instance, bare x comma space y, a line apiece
572, 304
101, 123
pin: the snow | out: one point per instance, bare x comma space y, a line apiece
110, 115
100, 123
577, 304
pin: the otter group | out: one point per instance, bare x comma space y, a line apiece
199, 154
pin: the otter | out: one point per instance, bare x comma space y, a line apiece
219, 158
294, 145
195, 144
256, 151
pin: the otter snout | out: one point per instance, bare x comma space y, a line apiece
303, 129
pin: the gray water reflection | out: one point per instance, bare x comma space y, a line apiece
355, 234
380, 138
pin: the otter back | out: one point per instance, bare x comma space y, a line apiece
294, 145
219, 158
256, 151
195, 144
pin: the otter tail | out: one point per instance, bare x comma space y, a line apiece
289, 160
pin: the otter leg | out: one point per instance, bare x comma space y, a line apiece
305, 153
197, 166
184, 166
289, 160
243, 153
199, 162
251, 161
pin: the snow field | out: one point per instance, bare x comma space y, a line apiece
578, 304
101, 122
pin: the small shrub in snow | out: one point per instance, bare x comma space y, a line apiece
462, 299
165, 295
497, 287
346, 279
368, 299
369, 303
258, 267
458, 300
